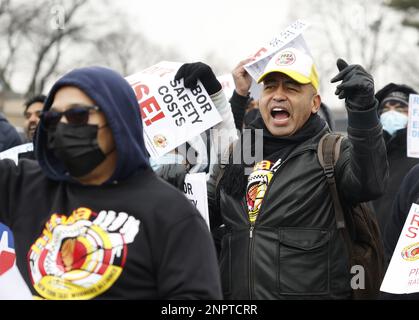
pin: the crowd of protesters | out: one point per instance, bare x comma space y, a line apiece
93, 216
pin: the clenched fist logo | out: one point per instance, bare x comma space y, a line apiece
81, 256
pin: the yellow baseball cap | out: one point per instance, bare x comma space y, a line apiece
294, 63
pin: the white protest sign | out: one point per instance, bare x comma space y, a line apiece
171, 114
402, 275
13, 153
290, 37
413, 127
195, 189
12, 285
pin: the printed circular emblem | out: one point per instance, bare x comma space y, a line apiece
411, 252
81, 256
286, 58
257, 185
160, 141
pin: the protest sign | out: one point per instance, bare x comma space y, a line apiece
290, 37
413, 127
12, 285
195, 189
402, 275
13, 153
171, 114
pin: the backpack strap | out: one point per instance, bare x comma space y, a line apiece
328, 153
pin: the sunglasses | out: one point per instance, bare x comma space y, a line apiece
77, 115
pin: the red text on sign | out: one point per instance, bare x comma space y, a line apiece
413, 227
150, 109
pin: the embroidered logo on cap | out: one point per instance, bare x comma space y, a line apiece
285, 59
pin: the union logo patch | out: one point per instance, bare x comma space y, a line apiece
81, 256
285, 59
411, 252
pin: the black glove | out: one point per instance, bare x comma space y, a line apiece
357, 87
191, 72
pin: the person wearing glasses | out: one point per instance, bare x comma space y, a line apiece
90, 218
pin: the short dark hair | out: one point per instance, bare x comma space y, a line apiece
38, 98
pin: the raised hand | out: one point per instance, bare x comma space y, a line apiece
192, 72
357, 87
242, 80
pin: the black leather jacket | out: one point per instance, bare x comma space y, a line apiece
293, 250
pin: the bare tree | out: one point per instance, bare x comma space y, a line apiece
48, 41
15, 21
411, 10
128, 51
410, 69
363, 32
33, 38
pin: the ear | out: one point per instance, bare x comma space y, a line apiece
315, 103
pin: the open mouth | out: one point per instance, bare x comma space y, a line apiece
280, 114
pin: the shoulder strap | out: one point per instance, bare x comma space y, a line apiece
328, 152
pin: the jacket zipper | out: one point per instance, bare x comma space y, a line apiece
252, 225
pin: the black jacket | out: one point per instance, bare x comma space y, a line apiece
165, 250
239, 104
399, 165
132, 237
9, 137
294, 252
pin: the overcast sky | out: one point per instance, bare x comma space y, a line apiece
234, 29
231, 30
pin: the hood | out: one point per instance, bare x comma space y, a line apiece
116, 99
391, 87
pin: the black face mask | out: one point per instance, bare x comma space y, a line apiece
76, 146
